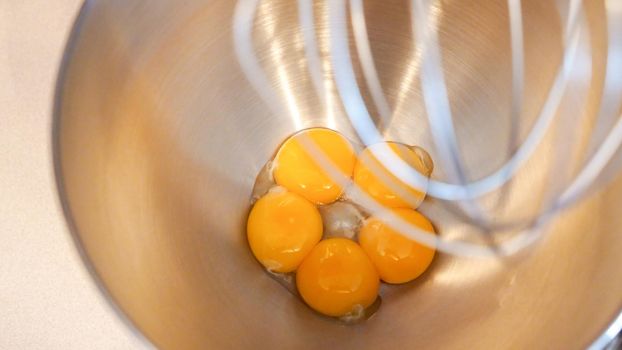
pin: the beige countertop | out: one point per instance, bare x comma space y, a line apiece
47, 299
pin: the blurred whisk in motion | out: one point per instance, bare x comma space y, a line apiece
572, 119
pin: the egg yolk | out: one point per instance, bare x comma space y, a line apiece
377, 181
282, 228
296, 169
397, 258
337, 278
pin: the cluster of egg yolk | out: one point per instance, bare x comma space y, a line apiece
336, 276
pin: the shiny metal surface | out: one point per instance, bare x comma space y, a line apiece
159, 136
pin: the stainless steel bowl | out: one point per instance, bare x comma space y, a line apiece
158, 137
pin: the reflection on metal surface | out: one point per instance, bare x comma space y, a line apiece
160, 135
276, 52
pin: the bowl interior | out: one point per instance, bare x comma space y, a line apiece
159, 137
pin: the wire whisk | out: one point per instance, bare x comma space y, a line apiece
600, 161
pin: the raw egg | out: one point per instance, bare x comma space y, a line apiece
377, 181
297, 170
337, 278
397, 258
282, 229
